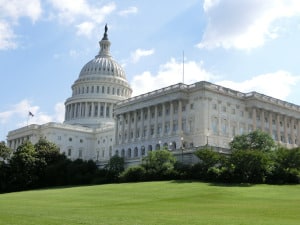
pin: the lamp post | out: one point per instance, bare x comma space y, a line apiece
181, 149
207, 135
170, 146
159, 142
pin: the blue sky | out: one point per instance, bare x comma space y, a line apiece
247, 45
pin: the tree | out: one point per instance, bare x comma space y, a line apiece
250, 166
25, 166
210, 165
286, 166
5, 152
47, 151
115, 167
159, 164
256, 140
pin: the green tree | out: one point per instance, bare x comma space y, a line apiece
210, 165
286, 166
47, 151
256, 140
25, 166
133, 174
250, 166
5, 152
115, 167
159, 164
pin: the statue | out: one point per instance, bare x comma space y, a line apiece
105, 28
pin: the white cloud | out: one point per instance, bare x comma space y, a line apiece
19, 114
130, 10
83, 15
14, 9
280, 86
85, 29
139, 53
7, 37
245, 24
168, 74
11, 11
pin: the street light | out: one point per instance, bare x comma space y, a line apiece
170, 146
207, 135
159, 142
181, 149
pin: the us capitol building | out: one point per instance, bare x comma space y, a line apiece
102, 119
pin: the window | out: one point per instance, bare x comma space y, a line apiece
152, 130
80, 153
69, 152
81, 141
215, 125
70, 139
192, 106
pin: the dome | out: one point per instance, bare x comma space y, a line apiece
101, 84
103, 64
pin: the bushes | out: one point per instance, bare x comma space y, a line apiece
133, 174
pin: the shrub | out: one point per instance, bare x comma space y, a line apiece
133, 174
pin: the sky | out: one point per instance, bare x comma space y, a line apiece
246, 45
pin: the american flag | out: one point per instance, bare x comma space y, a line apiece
30, 114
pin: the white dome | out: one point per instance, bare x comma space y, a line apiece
102, 66
101, 84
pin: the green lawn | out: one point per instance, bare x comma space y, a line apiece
154, 203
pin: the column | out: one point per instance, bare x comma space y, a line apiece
293, 131
163, 119
86, 109
171, 117
111, 111
156, 120
104, 113
122, 128
142, 124
134, 123
179, 117
263, 123
286, 140
99, 109
129, 126
148, 123
278, 127
117, 129
254, 118
271, 124
93, 109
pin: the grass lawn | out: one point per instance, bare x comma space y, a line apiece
154, 203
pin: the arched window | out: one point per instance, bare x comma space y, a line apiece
136, 152
143, 150
149, 147
123, 153
129, 153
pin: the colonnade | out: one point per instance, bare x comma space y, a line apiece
88, 109
281, 127
151, 122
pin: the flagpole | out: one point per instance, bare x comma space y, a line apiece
183, 67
